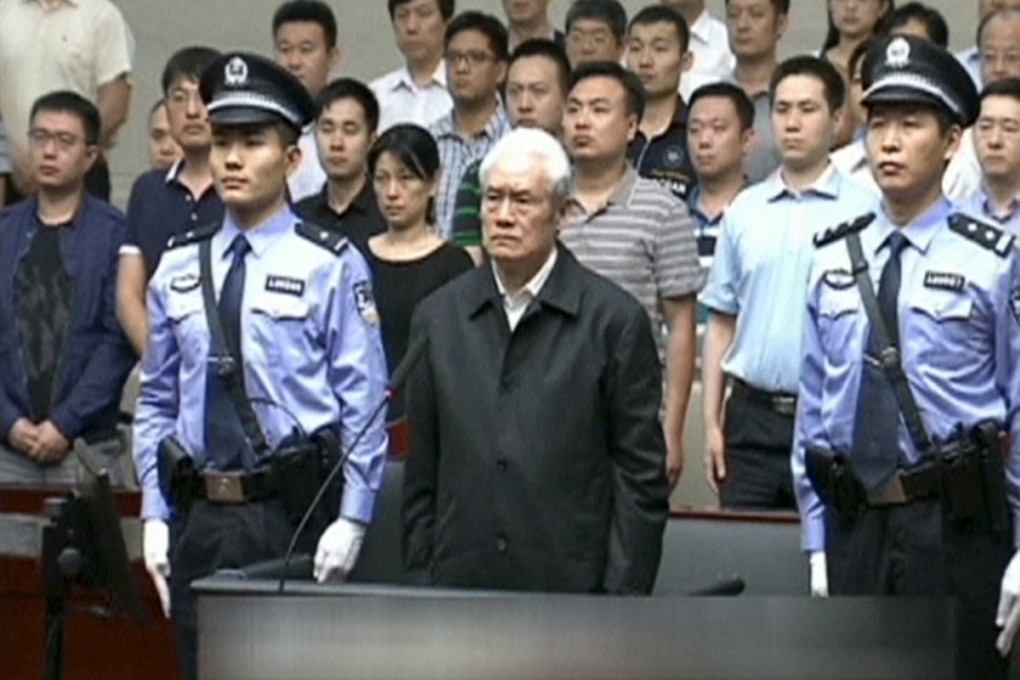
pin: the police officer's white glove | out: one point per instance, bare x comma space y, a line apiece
1008, 618
155, 548
338, 550
819, 575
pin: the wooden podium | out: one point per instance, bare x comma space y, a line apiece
95, 646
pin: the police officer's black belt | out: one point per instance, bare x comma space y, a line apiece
236, 487
227, 365
888, 354
907, 486
780, 402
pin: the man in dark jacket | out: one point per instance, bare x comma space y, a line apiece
63, 356
537, 458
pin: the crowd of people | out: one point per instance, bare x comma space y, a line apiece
554, 233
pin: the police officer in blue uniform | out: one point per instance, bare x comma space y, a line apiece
910, 385
264, 348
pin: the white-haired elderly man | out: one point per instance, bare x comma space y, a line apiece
537, 458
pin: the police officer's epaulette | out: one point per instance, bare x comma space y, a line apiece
833, 234
330, 240
985, 235
193, 235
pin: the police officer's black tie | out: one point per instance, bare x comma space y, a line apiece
226, 445
875, 449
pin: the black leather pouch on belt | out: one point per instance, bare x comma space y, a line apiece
177, 475
835, 482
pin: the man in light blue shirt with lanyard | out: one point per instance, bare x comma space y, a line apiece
264, 362
907, 456
757, 287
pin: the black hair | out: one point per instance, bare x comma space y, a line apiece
934, 23
833, 84
155, 106
1007, 87
65, 101
416, 148
609, 12
857, 56
543, 47
349, 88
782, 6
486, 24
612, 70
188, 63
741, 102
655, 14
446, 7
310, 11
413, 146
832, 34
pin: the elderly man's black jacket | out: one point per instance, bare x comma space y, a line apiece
537, 460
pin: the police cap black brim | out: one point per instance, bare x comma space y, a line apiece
903, 95
243, 115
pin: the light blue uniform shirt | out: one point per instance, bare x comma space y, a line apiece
760, 271
980, 206
959, 306
311, 346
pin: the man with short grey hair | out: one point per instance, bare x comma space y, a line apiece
552, 473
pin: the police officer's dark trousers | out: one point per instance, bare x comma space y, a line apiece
218, 536
917, 550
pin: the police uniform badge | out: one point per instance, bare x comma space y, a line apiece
184, 283
365, 302
235, 73
897, 54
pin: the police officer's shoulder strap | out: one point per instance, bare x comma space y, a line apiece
226, 363
889, 357
324, 238
985, 235
833, 234
196, 235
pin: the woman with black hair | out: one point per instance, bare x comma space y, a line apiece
408, 260
851, 22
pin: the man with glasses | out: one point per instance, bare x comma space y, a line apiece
165, 203
63, 357
476, 56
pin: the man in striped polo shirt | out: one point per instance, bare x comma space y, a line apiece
632, 230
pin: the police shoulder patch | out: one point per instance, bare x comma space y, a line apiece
365, 303
193, 235
985, 235
833, 234
324, 238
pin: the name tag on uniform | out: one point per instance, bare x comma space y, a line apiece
839, 279
285, 285
184, 283
944, 281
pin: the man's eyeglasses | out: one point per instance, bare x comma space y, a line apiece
472, 58
64, 141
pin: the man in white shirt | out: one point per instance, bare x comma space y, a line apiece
304, 43
709, 44
416, 92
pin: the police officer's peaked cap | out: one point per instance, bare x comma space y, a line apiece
904, 69
242, 88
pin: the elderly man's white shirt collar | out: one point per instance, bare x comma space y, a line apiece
515, 303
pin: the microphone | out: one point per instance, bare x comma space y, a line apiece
397, 379
727, 585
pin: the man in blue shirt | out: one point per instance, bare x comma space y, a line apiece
300, 329
757, 286
165, 203
997, 143
915, 503
63, 357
